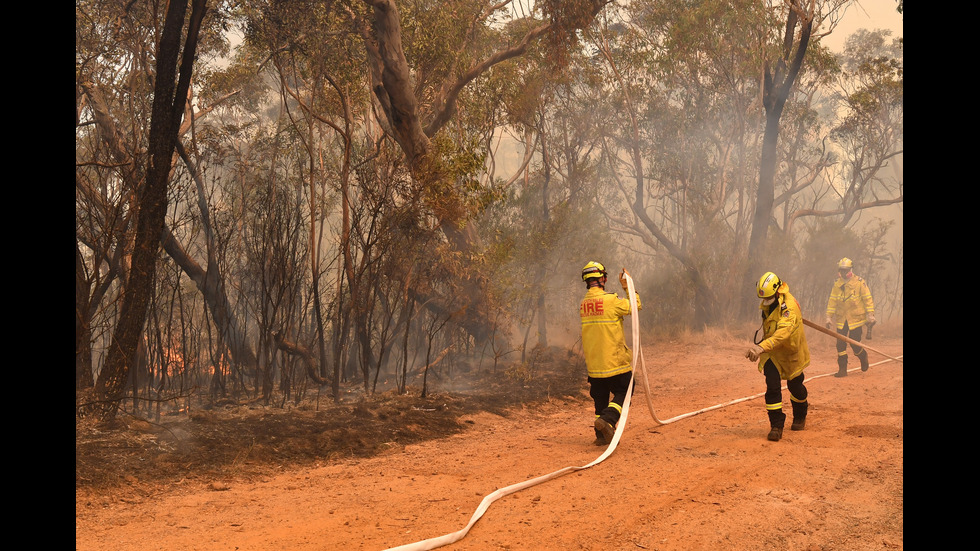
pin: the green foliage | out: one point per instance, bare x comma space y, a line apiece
435, 41
874, 91
457, 194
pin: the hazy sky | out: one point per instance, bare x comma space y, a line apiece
866, 14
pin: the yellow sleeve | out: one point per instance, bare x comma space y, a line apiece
784, 328
869, 303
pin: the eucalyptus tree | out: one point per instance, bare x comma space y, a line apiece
684, 78
314, 60
115, 72
427, 65
416, 109
110, 48
863, 174
548, 105
701, 104
549, 221
782, 67
270, 195
870, 132
171, 82
805, 158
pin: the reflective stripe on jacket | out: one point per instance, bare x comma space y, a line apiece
850, 301
785, 341
603, 341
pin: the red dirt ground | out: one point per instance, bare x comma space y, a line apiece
711, 481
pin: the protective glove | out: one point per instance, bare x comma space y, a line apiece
871, 318
754, 353
829, 323
622, 280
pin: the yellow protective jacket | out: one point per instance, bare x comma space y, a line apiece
850, 301
784, 342
603, 341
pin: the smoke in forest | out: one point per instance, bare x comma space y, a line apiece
341, 215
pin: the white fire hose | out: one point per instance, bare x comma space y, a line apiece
453, 537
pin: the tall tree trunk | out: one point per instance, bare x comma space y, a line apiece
168, 107
776, 89
541, 275
210, 281
84, 379
341, 324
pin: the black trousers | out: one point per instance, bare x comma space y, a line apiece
774, 395
602, 388
853, 334
859, 351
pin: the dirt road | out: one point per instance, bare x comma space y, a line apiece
711, 481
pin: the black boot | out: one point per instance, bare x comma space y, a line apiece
841, 366
604, 430
799, 416
776, 421
863, 356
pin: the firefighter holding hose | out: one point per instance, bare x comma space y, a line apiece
607, 357
782, 353
849, 308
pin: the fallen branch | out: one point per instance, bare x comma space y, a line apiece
297, 349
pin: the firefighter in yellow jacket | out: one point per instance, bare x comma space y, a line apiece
782, 353
607, 357
850, 308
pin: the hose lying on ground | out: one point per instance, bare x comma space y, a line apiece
452, 537
640, 365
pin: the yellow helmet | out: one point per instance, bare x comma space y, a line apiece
768, 285
845, 263
593, 269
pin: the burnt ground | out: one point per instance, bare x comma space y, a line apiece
245, 440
